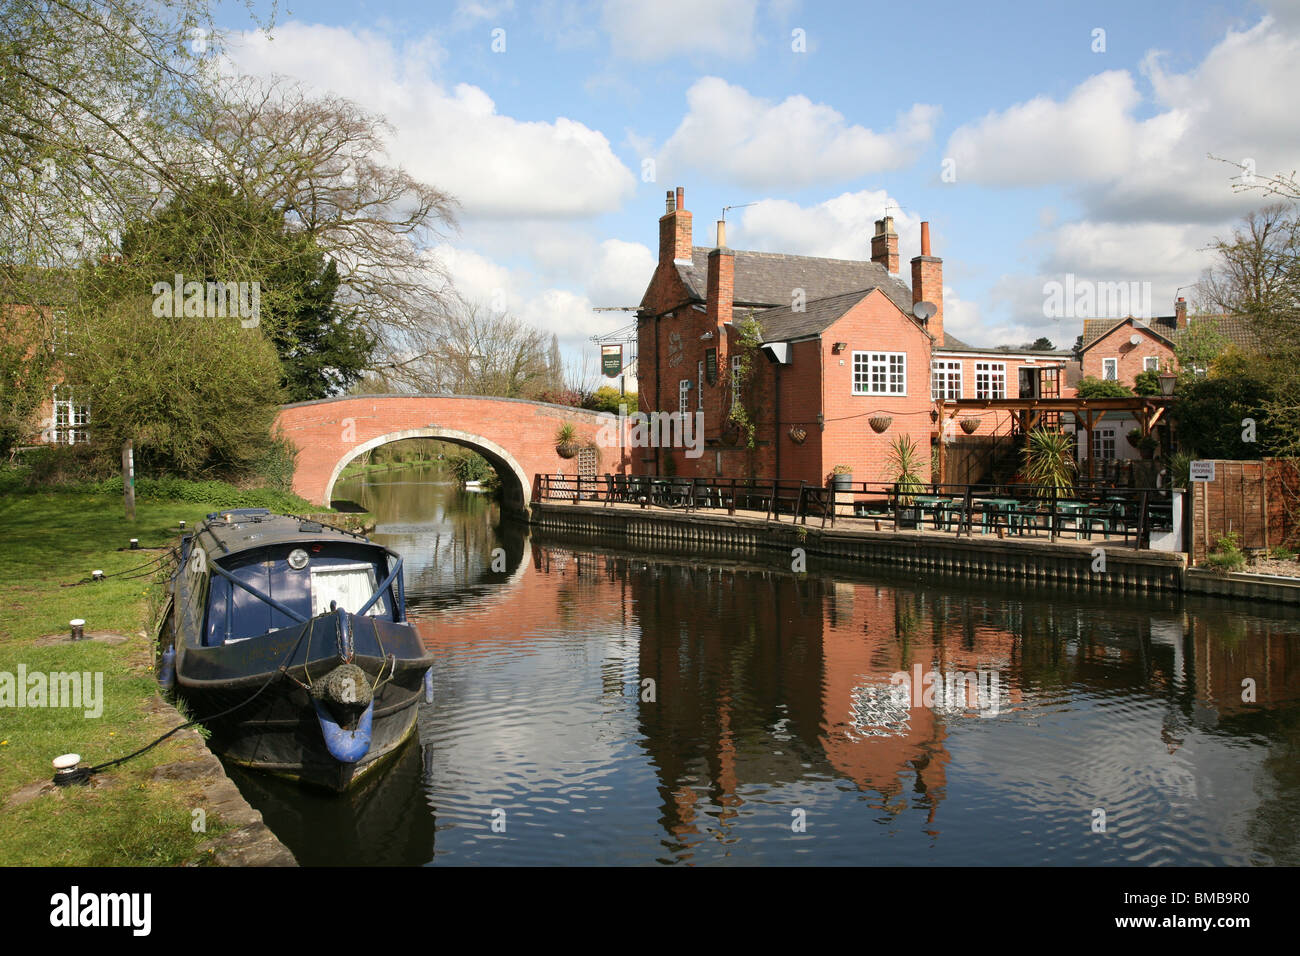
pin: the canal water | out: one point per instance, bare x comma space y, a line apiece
598, 704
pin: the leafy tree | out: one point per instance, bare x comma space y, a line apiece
1210, 409
197, 396
607, 399
1092, 387
1199, 346
1147, 382
1041, 344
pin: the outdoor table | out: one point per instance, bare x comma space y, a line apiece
1073, 510
992, 508
933, 504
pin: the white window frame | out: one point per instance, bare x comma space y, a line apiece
1110, 370
880, 373
1151, 363
994, 375
735, 380
945, 380
71, 421
1103, 443
684, 395
699, 403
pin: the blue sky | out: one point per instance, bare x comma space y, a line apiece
1067, 159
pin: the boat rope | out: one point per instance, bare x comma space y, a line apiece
190, 723
140, 571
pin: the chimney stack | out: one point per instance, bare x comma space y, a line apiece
927, 284
1180, 313
884, 245
675, 229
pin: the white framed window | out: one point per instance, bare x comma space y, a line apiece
71, 420
945, 380
699, 403
990, 379
684, 395
1110, 369
349, 586
1103, 443
879, 373
1151, 363
735, 379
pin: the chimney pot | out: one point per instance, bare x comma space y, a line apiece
670, 202
925, 238
722, 233
681, 197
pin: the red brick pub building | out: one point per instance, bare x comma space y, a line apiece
842, 345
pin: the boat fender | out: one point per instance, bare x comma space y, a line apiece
347, 687
167, 670
428, 686
345, 746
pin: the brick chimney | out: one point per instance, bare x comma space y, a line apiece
675, 228
927, 284
720, 285
1180, 313
884, 245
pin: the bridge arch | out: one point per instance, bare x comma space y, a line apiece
517, 436
516, 486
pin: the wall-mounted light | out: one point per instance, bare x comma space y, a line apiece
839, 347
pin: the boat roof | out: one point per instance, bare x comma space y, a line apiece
242, 529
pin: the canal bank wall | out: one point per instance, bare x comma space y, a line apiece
1080, 564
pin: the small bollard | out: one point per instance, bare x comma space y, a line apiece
97, 575
78, 629
67, 770
135, 544
182, 525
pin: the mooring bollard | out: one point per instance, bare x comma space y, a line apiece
97, 575
182, 525
135, 544
78, 629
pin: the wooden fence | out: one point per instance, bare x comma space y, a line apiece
1257, 500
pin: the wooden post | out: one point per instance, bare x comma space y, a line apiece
128, 479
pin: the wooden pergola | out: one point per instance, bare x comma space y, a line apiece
1087, 412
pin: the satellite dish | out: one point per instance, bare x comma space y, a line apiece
924, 310
1135, 339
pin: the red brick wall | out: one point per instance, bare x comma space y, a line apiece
1115, 344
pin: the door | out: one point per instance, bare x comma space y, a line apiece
1028, 382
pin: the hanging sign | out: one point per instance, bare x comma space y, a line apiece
611, 360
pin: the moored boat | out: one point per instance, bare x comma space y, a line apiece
288, 639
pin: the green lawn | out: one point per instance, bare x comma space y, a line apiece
50, 542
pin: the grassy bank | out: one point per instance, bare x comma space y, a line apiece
354, 468
52, 540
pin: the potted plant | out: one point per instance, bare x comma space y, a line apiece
566, 443
1147, 445
841, 478
904, 462
1134, 436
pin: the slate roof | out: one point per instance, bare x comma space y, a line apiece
1234, 328
783, 324
764, 279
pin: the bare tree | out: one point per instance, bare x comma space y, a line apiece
484, 353
324, 161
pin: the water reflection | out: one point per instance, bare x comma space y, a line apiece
596, 705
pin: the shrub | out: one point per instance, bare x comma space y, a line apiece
1092, 387
1226, 554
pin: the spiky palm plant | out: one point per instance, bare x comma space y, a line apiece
904, 461
1048, 462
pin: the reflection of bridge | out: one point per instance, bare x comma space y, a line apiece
516, 436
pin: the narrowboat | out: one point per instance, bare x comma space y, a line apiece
288, 639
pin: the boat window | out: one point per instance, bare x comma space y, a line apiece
348, 585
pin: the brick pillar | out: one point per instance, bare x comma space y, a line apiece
675, 229
884, 245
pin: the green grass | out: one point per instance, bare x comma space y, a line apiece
51, 540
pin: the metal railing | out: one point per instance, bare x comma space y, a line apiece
1130, 514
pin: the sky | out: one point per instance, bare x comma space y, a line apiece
1039, 139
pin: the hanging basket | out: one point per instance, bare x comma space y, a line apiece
798, 435
968, 425
879, 423
567, 449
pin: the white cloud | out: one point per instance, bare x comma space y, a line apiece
839, 228
642, 31
758, 143
455, 139
1128, 168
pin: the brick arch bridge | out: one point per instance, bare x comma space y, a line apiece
516, 436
